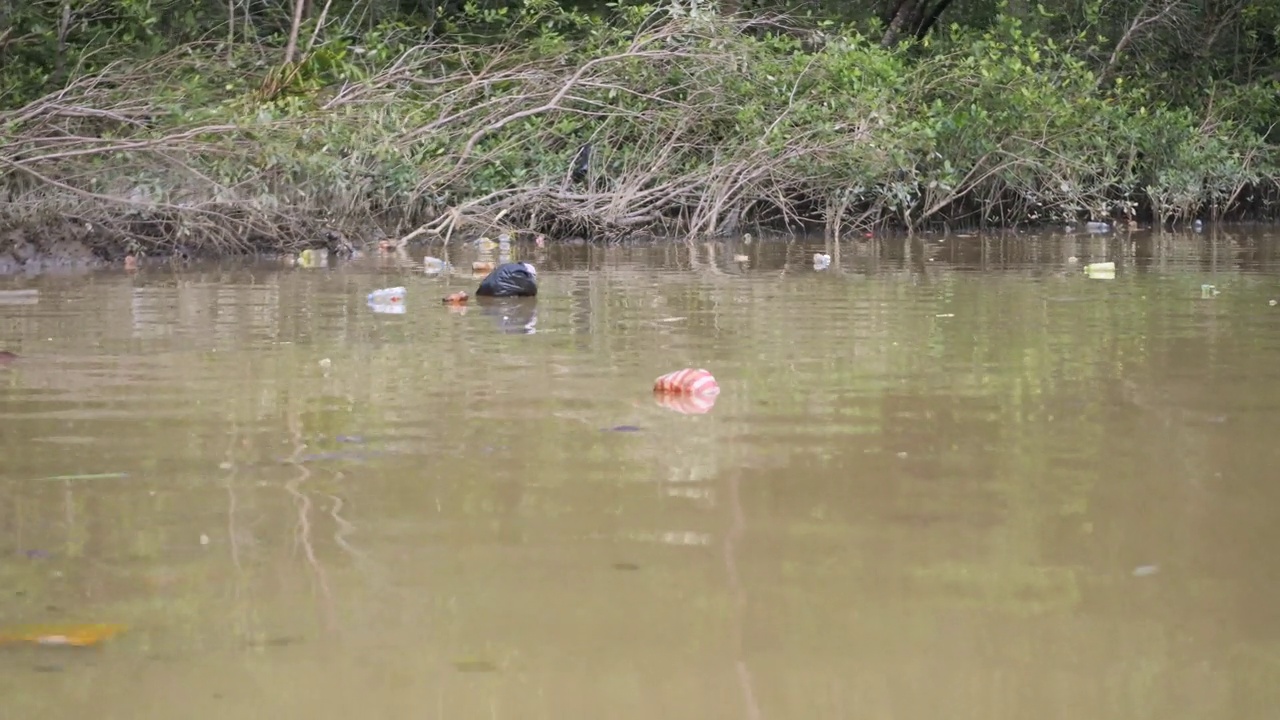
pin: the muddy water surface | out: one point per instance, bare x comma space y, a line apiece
956, 479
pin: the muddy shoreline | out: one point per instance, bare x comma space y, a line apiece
70, 245
73, 245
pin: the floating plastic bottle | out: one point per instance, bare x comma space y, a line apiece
689, 381
691, 391
434, 265
1101, 271
504, 248
387, 296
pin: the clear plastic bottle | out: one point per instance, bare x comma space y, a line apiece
387, 296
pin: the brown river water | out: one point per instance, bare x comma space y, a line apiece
954, 479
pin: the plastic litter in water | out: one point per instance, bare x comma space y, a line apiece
434, 265
689, 381
87, 476
313, 258
72, 635
691, 391
1097, 227
821, 261
19, 297
1100, 271
388, 301
387, 295
1207, 292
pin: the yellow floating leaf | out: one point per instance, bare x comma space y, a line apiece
73, 635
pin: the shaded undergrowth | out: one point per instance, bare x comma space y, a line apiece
653, 123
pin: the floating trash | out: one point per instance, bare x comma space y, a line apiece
314, 258
1097, 227
821, 261
434, 265
67, 635
1100, 271
388, 301
387, 295
691, 391
86, 476
457, 298
19, 297
482, 266
741, 258
1208, 292
689, 381
1146, 570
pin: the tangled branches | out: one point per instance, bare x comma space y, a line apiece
694, 126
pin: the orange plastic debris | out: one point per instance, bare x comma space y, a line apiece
689, 381
457, 298
481, 266
73, 635
691, 391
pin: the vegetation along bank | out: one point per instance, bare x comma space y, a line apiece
155, 126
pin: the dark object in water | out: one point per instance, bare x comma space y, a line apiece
7, 357
510, 280
581, 163
623, 428
627, 566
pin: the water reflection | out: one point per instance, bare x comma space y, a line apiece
946, 478
513, 316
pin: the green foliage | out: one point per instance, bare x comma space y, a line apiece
692, 116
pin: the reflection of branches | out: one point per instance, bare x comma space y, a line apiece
345, 527
233, 539
302, 532
737, 528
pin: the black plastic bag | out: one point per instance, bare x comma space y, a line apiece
510, 280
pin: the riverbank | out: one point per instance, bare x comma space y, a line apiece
703, 127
